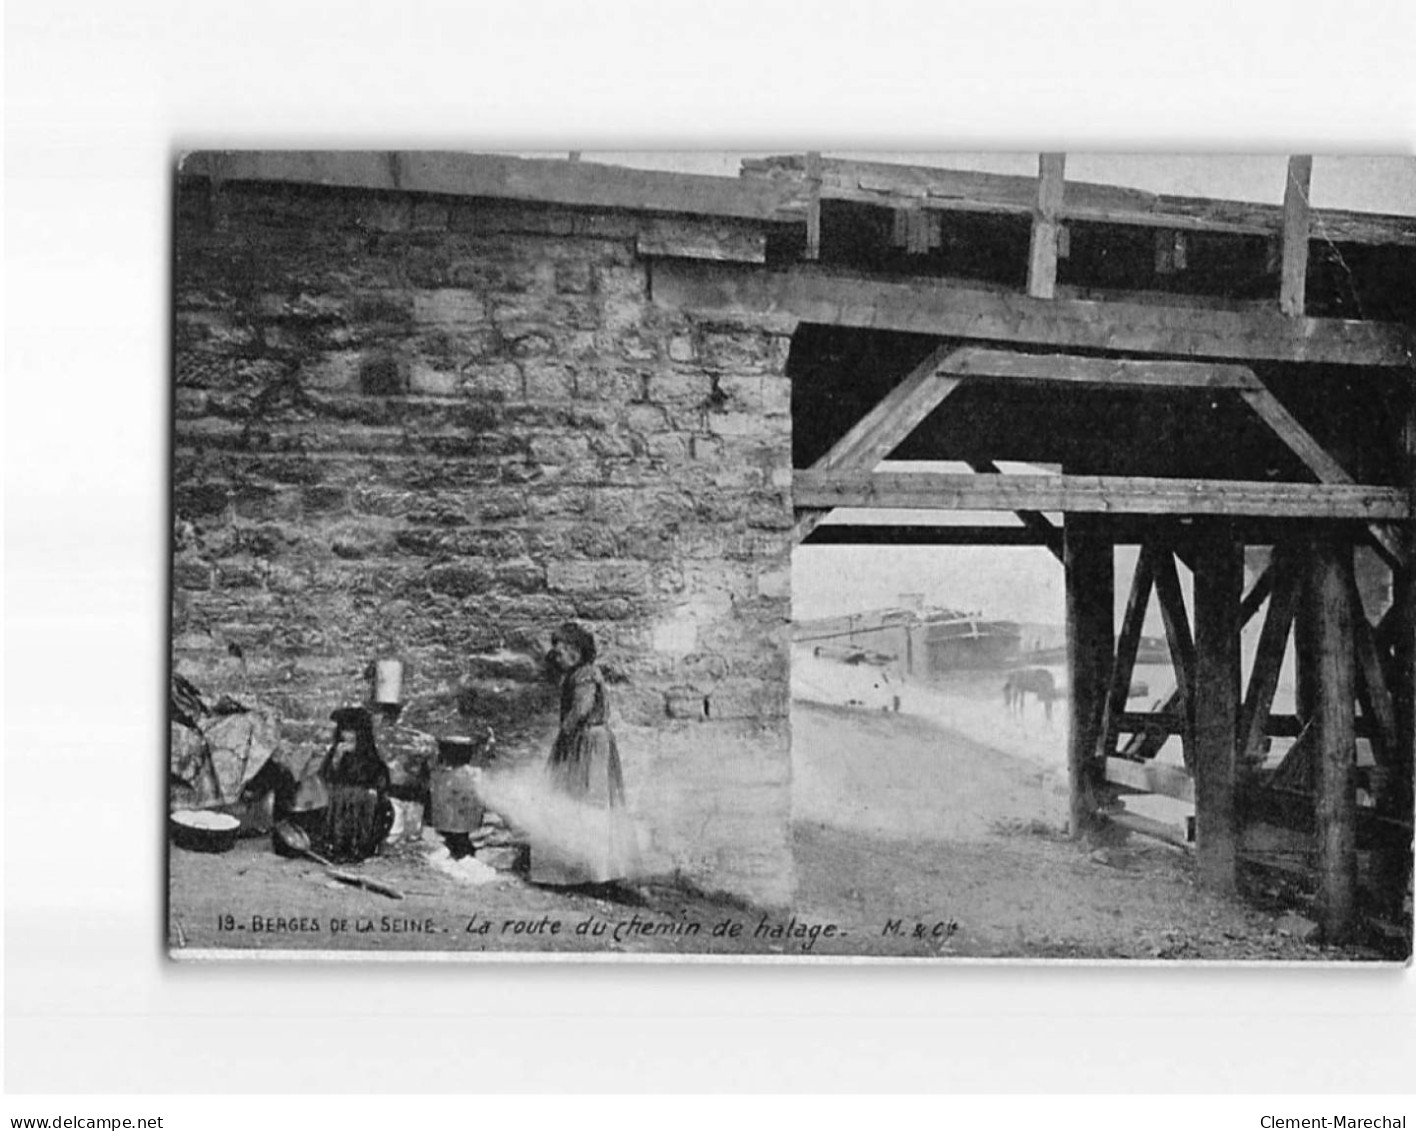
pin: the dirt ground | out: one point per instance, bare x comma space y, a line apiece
910, 841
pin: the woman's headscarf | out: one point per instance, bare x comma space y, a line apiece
362, 766
578, 638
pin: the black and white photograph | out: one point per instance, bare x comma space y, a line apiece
748, 563
791, 556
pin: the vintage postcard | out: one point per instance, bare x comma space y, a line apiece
910, 557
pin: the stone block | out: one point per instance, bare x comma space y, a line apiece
522, 575
685, 703
672, 448
504, 664
680, 389
332, 371
192, 575
451, 307
747, 699
637, 347
548, 381
622, 386
607, 226
495, 379
321, 499
593, 540
429, 216
573, 277
604, 576
775, 583
646, 420
744, 424
201, 500
604, 609
380, 214
460, 580
770, 511
529, 343
429, 382
609, 446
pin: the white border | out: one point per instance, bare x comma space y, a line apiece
100, 96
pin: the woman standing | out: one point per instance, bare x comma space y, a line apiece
594, 841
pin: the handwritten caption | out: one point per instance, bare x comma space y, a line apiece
749, 932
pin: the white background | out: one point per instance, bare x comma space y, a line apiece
98, 97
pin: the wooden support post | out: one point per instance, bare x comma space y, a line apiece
1146, 744
1392, 875
1405, 592
1182, 644
1127, 645
1219, 580
1307, 651
1372, 690
1090, 587
1042, 256
1335, 739
1404, 610
1293, 285
1268, 658
813, 206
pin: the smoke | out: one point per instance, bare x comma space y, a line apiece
600, 841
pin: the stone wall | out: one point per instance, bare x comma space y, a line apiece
434, 428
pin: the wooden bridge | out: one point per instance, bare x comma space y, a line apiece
1208, 376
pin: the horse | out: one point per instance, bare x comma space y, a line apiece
1037, 680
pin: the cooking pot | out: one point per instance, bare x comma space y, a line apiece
461, 750
201, 830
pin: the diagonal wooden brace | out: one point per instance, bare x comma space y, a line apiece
885, 426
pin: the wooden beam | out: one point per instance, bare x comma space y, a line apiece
897, 414
1395, 800
954, 190
1314, 456
1295, 772
1182, 644
876, 534
579, 183
1042, 254
885, 426
1149, 826
1219, 578
1294, 277
1256, 596
1268, 660
1404, 600
1168, 719
1335, 745
1102, 372
1165, 781
1127, 645
1034, 521
1372, 690
1089, 584
725, 241
1089, 494
1298, 439
944, 309
1149, 733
